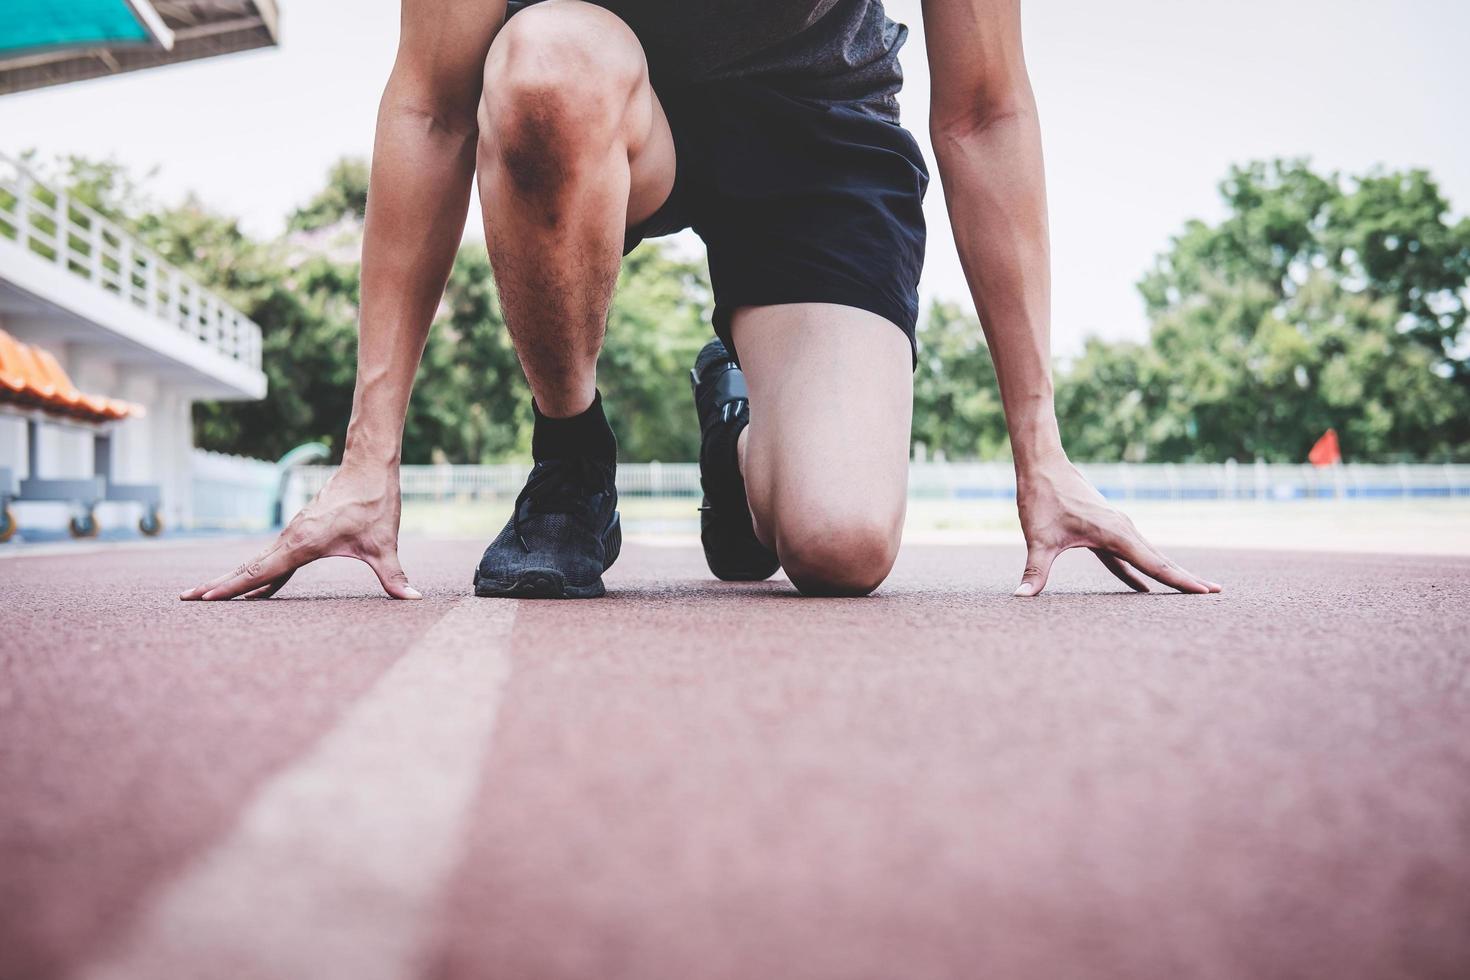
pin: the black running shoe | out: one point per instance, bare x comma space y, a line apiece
723, 403
563, 535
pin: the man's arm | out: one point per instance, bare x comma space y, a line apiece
418, 199
987, 140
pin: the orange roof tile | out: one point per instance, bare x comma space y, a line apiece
33, 378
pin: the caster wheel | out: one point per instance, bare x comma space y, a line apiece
150, 524
84, 526
7, 525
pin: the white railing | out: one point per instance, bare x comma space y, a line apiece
500, 480
232, 491
51, 226
1209, 481
980, 481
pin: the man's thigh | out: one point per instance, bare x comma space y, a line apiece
831, 401
651, 165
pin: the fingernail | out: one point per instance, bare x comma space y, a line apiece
1025, 588
413, 593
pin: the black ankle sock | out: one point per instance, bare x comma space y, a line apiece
587, 434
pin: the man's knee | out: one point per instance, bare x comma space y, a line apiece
833, 553
557, 85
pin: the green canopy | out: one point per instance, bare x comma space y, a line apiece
28, 24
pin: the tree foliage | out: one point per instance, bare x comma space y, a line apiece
957, 410
1315, 301
345, 196
471, 402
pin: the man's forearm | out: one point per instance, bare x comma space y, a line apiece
418, 199
995, 189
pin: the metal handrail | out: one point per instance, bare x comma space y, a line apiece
89, 246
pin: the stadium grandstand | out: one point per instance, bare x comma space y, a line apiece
104, 346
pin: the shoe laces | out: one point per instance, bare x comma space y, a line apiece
560, 486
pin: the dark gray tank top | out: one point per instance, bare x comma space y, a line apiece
829, 50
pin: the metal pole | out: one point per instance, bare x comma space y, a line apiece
102, 456
33, 449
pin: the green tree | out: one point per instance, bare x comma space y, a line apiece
1317, 301
660, 318
106, 186
1392, 238
1108, 402
345, 196
309, 342
957, 409
471, 402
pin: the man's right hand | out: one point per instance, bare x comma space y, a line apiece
355, 516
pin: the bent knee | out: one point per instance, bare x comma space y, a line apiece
839, 555
557, 80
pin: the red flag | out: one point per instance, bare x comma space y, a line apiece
1326, 451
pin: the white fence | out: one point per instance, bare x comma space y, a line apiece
1208, 481
501, 480
233, 491
979, 481
51, 226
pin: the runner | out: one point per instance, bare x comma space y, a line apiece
771, 128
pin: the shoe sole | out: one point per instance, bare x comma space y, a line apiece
548, 583
539, 583
728, 575
739, 574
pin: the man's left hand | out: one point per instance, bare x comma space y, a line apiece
1060, 510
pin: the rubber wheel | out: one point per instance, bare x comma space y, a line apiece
7, 525
83, 527
150, 524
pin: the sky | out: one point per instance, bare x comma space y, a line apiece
1144, 105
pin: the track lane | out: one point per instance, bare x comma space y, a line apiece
948, 782
334, 865
134, 727
691, 779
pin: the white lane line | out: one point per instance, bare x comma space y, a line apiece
335, 867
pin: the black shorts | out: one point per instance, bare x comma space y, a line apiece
798, 201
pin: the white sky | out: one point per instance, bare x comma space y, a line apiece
1144, 103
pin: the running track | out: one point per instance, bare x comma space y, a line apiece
689, 780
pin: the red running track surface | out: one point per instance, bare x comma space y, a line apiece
689, 779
